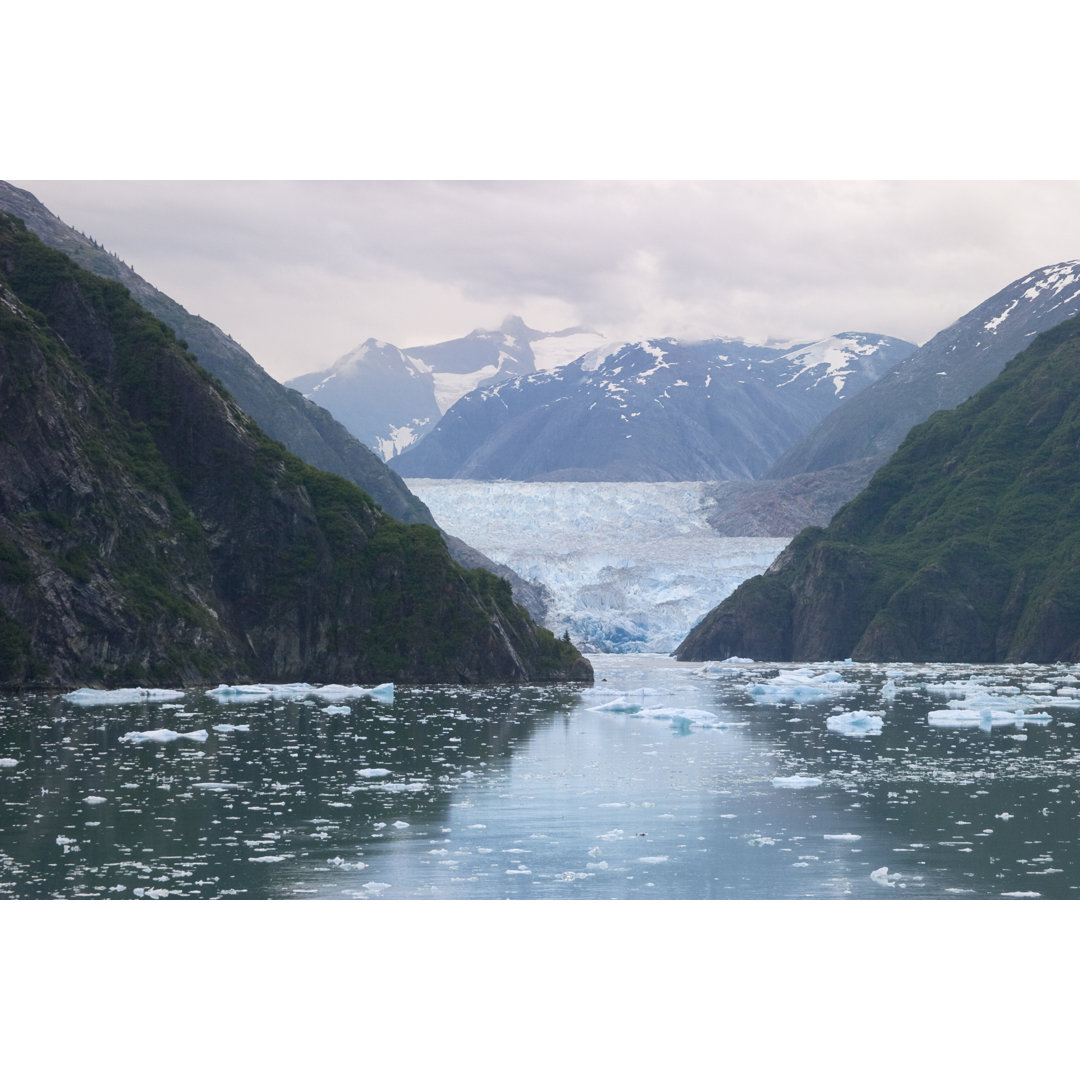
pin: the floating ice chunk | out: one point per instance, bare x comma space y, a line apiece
842, 836
8, 762
985, 718
1005, 816
688, 716
1022, 895
225, 729
217, 785
737, 660
150, 894
336, 709
801, 685
618, 705
653, 858
401, 825
372, 772
881, 876
857, 724
164, 735
382, 692
256, 691
796, 781
93, 800
269, 858
128, 696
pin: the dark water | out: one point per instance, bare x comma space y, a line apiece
736, 789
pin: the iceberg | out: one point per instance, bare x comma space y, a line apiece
856, 723
801, 685
128, 696
163, 735
331, 691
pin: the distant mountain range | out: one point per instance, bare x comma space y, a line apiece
389, 397
965, 546
653, 410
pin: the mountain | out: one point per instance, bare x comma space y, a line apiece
651, 411
307, 430
965, 546
303, 427
389, 397
941, 374
151, 532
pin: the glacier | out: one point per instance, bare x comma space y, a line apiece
627, 567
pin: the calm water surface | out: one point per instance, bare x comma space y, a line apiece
664, 781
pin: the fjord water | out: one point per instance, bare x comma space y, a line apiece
664, 780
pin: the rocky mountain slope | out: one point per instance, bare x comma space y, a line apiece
651, 411
941, 374
389, 397
965, 546
151, 532
302, 426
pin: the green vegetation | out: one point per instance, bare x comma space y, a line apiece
190, 545
964, 546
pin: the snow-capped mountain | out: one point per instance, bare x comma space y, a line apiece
389, 397
379, 393
941, 374
652, 411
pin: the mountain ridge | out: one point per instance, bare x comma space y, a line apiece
964, 546
653, 410
151, 532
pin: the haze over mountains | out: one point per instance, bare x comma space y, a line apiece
651, 411
389, 397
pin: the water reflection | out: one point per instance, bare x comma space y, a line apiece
665, 781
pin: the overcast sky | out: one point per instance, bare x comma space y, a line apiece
301, 272
863, 163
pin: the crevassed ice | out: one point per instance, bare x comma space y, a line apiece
629, 567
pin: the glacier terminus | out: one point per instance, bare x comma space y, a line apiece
627, 568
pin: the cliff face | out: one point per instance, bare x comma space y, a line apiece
150, 531
965, 546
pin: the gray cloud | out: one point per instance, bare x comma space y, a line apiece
300, 272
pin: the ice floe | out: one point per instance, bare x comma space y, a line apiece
8, 762
796, 781
985, 718
331, 691
128, 696
163, 735
881, 877
803, 684
857, 724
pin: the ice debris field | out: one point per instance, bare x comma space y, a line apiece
663, 780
